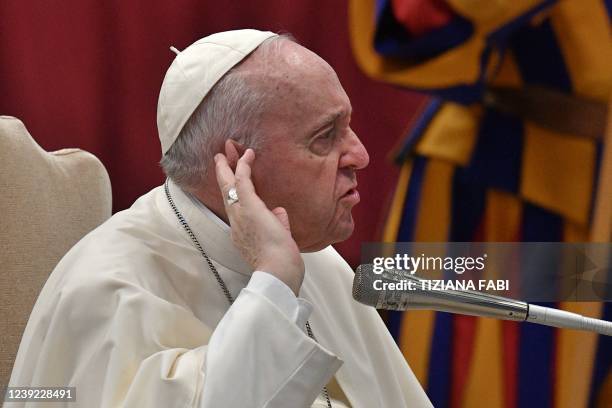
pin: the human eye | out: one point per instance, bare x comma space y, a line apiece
327, 135
322, 143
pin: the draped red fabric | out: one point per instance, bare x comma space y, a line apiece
85, 73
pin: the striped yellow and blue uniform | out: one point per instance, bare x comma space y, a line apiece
472, 173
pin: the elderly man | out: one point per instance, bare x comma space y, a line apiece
160, 307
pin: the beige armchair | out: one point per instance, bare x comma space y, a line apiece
48, 201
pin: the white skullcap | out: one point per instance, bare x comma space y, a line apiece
194, 72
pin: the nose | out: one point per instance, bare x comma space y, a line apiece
354, 155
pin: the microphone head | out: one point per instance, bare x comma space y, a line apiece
367, 292
363, 289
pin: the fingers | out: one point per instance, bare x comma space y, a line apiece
282, 216
241, 179
244, 184
225, 175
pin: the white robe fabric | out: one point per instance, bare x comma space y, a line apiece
132, 316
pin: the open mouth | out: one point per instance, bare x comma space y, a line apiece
351, 195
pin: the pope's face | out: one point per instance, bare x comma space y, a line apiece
308, 160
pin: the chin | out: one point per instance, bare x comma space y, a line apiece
344, 231
347, 235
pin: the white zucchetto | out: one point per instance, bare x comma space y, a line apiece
195, 71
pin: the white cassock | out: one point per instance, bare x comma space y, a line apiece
132, 316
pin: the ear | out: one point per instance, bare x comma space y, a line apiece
233, 151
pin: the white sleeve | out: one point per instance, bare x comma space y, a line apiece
259, 354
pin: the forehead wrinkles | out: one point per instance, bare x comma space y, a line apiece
303, 83
301, 86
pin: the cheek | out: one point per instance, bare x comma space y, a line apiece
317, 186
305, 185
310, 197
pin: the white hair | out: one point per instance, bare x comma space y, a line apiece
231, 110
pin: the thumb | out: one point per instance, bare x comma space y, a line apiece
282, 216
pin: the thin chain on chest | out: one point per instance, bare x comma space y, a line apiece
220, 281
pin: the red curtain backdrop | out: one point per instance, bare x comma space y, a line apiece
87, 74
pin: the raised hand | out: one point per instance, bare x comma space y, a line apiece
263, 236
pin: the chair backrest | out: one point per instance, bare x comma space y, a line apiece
48, 202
